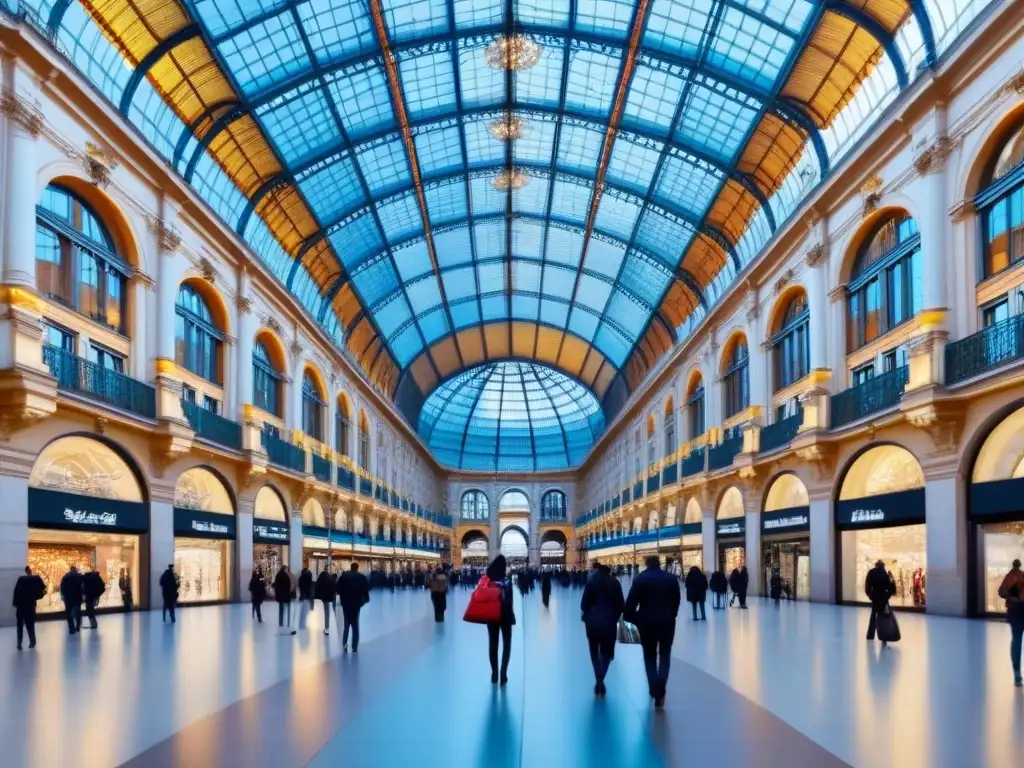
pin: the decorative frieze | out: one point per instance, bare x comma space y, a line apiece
19, 110
933, 156
99, 164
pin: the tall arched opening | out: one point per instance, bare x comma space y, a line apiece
515, 546
204, 537
786, 536
270, 532
553, 549
731, 531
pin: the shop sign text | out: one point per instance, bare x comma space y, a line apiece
81, 517
867, 515
201, 526
792, 521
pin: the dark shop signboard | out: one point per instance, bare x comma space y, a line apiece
887, 509
733, 527
203, 525
269, 532
792, 520
998, 497
74, 512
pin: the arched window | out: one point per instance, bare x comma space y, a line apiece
474, 506
736, 378
364, 442
670, 428
342, 425
1001, 205
885, 287
266, 381
552, 506
197, 340
313, 407
695, 408
76, 262
791, 349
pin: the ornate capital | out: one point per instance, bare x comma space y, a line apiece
943, 423
22, 112
244, 304
820, 458
167, 237
817, 255
206, 270
1016, 83
99, 164
871, 194
933, 157
962, 210
784, 279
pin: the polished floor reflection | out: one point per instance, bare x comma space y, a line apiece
794, 685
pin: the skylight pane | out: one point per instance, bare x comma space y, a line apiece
459, 283
400, 217
716, 118
412, 260
482, 149
357, 240
453, 246
579, 149
565, 246
633, 162
653, 98
548, 13
482, 85
220, 16
541, 84
265, 55
361, 96
489, 238
590, 86
559, 282
571, 202
337, 29
439, 151
446, 201
413, 19
332, 188
749, 49
687, 183
663, 235
617, 214
676, 26
466, 313
392, 314
376, 280
610, 18
434, 325
384, 165
604, 257
428, 83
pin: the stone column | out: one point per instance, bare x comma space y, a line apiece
945, 500
24, 123
241, 387
817, 299
494, 526
243, 547
709, 541
141, 288
293, 392
823, 533
161, 542
295, 542
13, 537
752, 544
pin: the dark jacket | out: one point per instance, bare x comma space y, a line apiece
602, 604
283, 587
324, 588
738, 580
653, 599
258, 588
696, 586
305, 584
878, 586
27, 590
776, 587
93, 586
169, 586
719, 584
545, 583
71, 588
353, 590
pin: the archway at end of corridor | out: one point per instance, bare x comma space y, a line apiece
515, 546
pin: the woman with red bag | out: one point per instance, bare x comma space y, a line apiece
491, 604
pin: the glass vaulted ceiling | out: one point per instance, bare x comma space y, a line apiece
511, 417
349, 142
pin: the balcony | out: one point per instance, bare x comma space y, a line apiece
365, 487
692, 464
781, 432
721, 455
653, 483
1000, 343
97, 383
283, 453
670, 473
874, 395
638, 490
321, 469
210, 426
346, 478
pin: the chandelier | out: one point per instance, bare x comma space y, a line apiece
508, 127
515, 52
511, 179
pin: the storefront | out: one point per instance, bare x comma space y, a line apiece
880, 515
269, 533
691, 543
86, 509
996, 512
731, 531
204, 537
786, 537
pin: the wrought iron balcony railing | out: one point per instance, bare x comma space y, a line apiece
86, 378
213, 427
1000, 343
282, 453
781, 432
874, 395
321, 469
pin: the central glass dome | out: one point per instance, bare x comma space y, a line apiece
511, 417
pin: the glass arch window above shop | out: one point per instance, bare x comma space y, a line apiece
881, 470
511, 417
268, 505
1001, 205
200, 489
82, 465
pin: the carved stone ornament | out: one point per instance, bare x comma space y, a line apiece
816, 255
933, 157
943, 425
1016, 83
871, 194
272, 324
206, 270
244, 304
820, 459
99, 164
784, 279
22, 112
167, 237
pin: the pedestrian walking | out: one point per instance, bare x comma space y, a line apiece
1012, 591
719, 586
739, 579
697, 591
284, 592
775, 587
93, 588
353, 594
28, 590
71, 594
879, 587
324, 592
169, 585
257, 593
439, 594
602, 605
653, 605
497, 573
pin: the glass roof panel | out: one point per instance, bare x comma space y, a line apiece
482, 86
337, 29
439, 150
222, 16
384, 165
434, 325
466, 313
400, 216
579, 149
413, 260
605, 17
266, 54
653, 98
360, 94
633, 163
428, 83
446, 201
332, 187
591, 83
357, 239
541, 84
301, 124
453, 246
413, 19
511, 416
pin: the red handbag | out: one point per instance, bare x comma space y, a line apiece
484, 603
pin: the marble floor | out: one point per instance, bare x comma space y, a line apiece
790, 686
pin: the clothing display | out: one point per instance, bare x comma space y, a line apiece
691, 556
793, 561
269, 557
902, 549
1000, 544
203, 567
110, 555
731, 557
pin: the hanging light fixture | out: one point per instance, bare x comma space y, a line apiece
508, 127
515, 178
514, 52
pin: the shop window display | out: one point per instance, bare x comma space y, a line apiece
793, 561
116, 558
732, 557
691, 556
202, 566
1001, 544
902, 549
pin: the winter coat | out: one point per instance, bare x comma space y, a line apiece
602, 604
738, 580
324, 588
776, 587
306, 584
353, 590
28, 589
169, 586
93, 586
696, 586
1012, 589
653, 599
258, 588
878, 586
71, 588
283, 587
719, 584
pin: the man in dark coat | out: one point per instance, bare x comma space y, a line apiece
283, 594
258, 593
71, 593
353, 594
775, 586
602, 605
697, 591
719, 586
653, 605
28, 590
739, 579
545, 587
879, 588
324, 592
169, 591
93, 586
